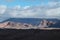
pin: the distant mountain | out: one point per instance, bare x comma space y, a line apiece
57, 25
33, 21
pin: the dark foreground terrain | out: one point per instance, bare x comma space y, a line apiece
29, 34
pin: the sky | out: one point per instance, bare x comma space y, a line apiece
29, 9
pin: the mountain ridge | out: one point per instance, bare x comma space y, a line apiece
29, 23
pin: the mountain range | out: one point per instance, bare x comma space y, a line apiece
33, 21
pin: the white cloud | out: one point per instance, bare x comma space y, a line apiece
46, 11
27, 13
33, 12
26, 7
2, 9
16, 7
53, 12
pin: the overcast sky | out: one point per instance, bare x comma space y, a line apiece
29, 9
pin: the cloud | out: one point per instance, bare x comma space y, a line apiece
26, 7
32, 12
17, 7
26, 12
51, 10
2, 9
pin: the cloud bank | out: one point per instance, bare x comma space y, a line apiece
51, 10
